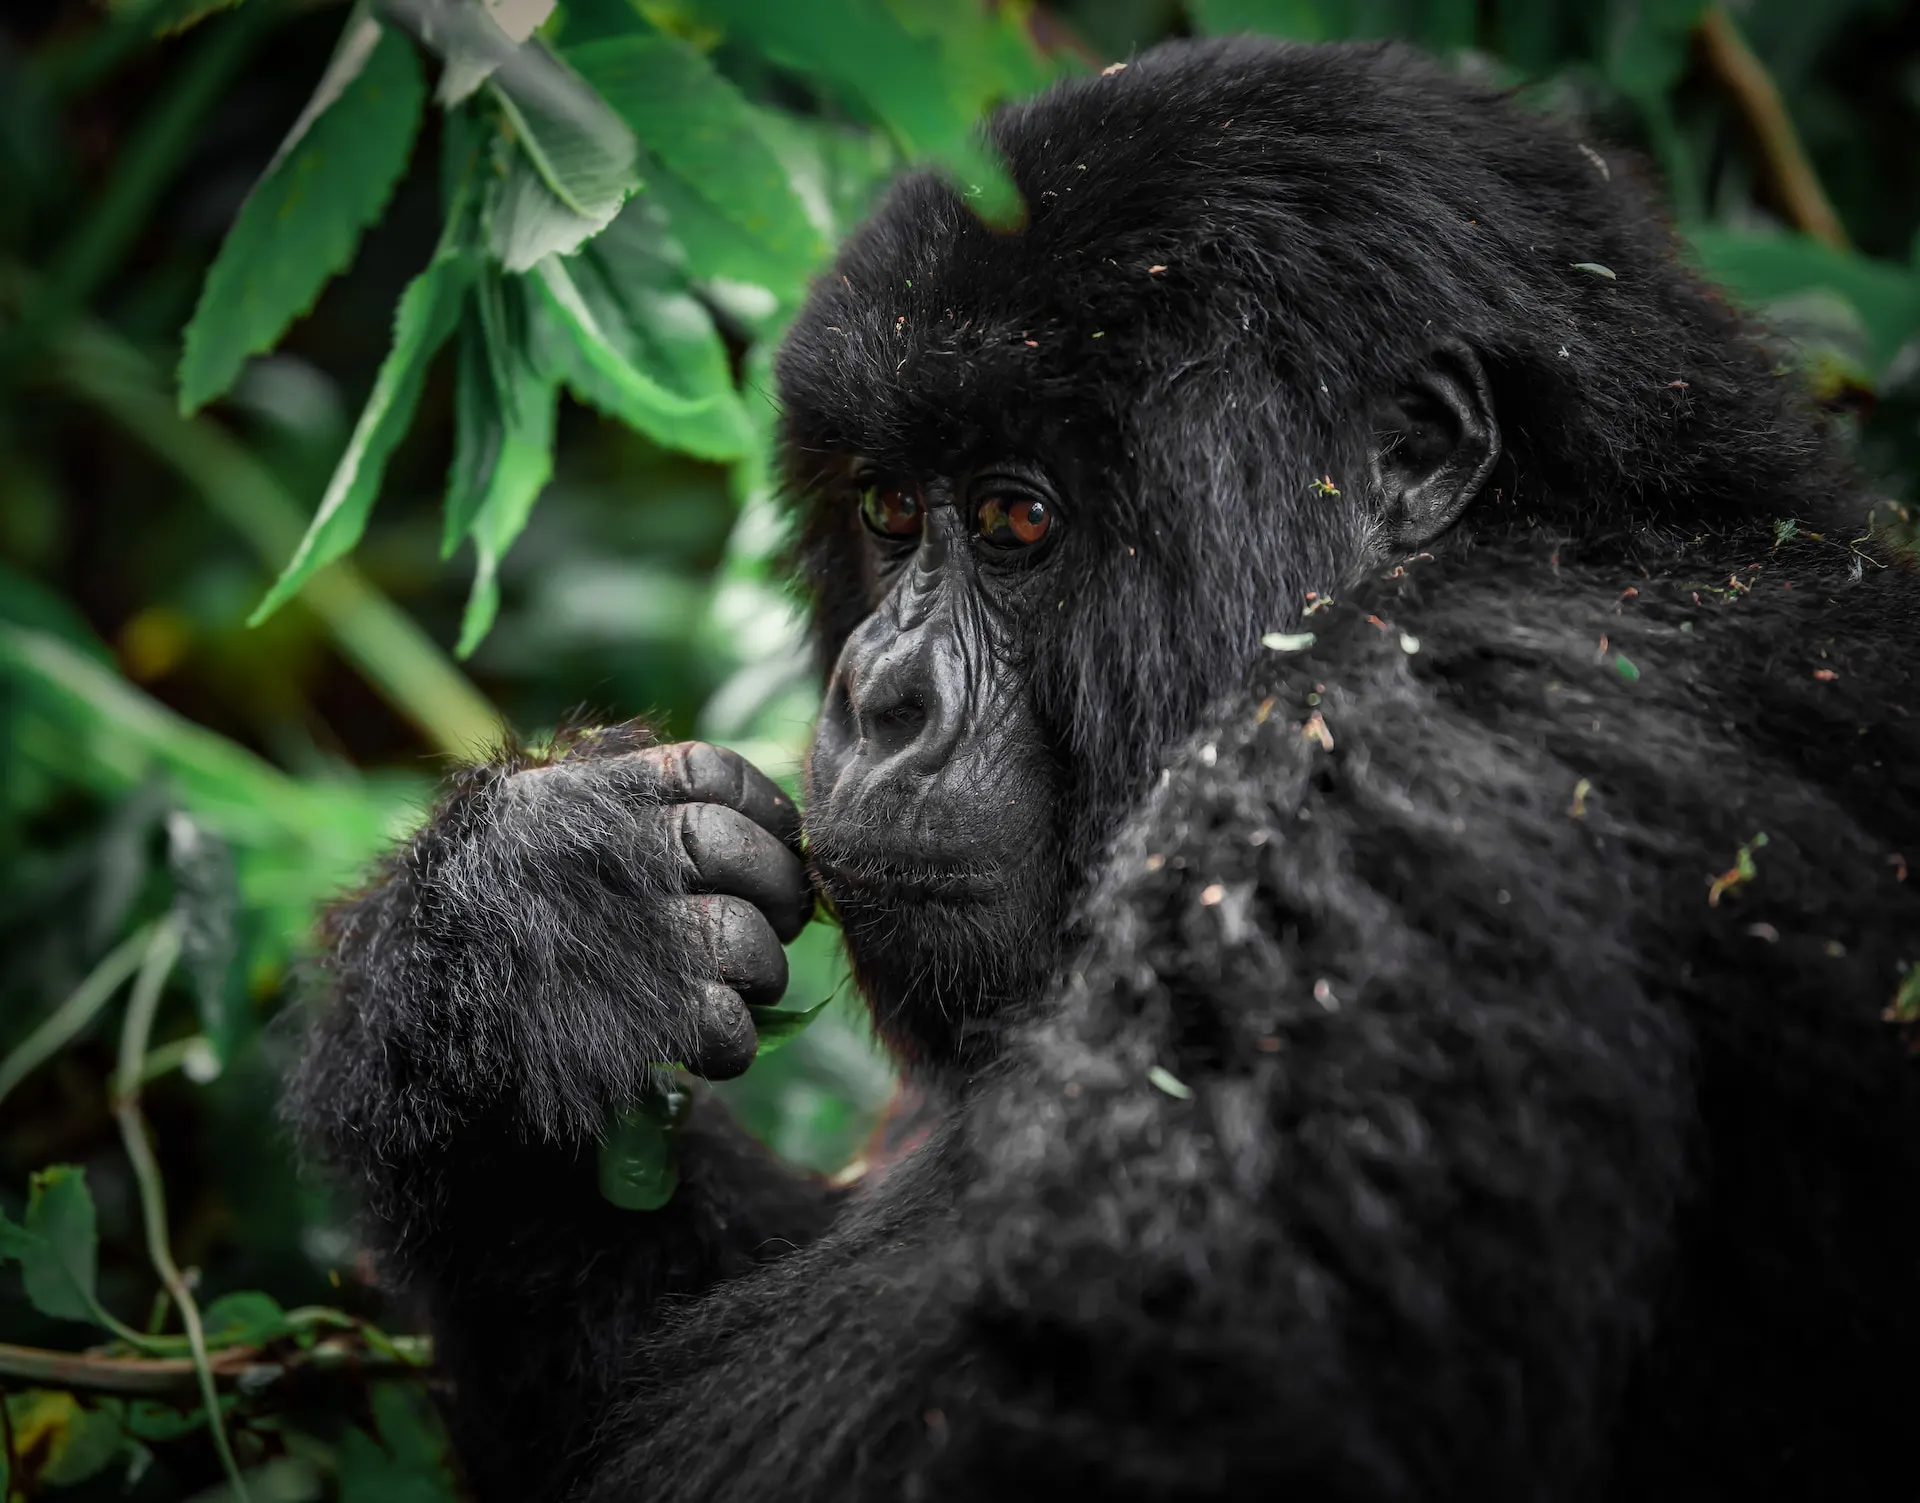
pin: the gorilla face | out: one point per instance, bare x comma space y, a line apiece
932, 786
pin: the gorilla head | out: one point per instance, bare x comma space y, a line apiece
1251, 340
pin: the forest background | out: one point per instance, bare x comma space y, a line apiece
266, 264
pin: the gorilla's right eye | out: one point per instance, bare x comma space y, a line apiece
892, 512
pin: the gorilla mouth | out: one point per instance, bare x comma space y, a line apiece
877, 874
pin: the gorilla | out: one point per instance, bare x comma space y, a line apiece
1366, 759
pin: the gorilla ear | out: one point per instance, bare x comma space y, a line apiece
1438, 444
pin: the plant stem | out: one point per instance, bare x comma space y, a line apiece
74, 1013
163, 949
179, 1377
1757, 97
387, 646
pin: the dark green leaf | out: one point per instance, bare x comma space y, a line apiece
639, 1158
428, 310
477, 433
408, 1464
58, 1248
1763, 268
244, 1317
862, 47
522, 465
331, 178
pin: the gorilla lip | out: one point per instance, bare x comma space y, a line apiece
877, 874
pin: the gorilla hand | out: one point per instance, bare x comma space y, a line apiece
712, 841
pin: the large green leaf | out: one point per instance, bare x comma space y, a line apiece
427, 313
599, 350
862, 48
699, 127
58, 1249
1766, 268
299, 226
477, 433
582, 155
523, 414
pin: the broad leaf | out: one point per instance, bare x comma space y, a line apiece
408, 1464
861, 47
599, 354
428, 310
699, 128
477, 432
583, 153
58, 1248
1763, 268
301, 223
522, 464
530, 223
245, 1317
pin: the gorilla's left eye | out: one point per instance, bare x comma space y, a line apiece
1014, 521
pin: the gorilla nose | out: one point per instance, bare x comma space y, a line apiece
892, 711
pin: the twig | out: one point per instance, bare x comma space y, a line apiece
1757, 97
162, 951
73, 1014
243, 1367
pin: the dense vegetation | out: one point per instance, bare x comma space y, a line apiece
503, 254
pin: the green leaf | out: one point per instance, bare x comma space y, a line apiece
779, 1026
410, 1461
58, 1248
522, 465
931, 108
1649, 44
477, 433
301, 223
245, 1317
580, 153
206, 903
597, 346
498, 27
699, 127
1765, 268
428, 310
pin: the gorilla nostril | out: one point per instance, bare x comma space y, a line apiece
897, 725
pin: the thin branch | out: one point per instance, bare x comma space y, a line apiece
1757, 97
79, 1008
246, 1368
135, 1030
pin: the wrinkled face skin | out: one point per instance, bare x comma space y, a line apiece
932, 789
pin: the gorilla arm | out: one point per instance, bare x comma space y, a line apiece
516, 973
1350, 1154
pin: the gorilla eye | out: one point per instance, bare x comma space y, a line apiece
891, 512
1014, 521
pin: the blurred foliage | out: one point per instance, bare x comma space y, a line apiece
266, 264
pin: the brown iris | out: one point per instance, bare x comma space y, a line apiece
1014, 521
892, 512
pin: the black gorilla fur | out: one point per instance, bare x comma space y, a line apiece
1401, 1118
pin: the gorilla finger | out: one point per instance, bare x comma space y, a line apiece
745, 950
723, 1033
692, 772
732, 854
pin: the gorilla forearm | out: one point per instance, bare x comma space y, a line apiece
505, 984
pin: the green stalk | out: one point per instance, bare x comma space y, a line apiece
163, 949
82, 1004
386, 645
